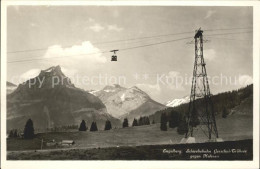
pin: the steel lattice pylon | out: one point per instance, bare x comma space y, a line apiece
202, 114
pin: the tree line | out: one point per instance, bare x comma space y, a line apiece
28, 132
143, 120
223, 103
174, 119
62, 128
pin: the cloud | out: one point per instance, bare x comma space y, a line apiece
91, 20
85, 51
175, 81
33, 24
69, 72
77, 62
209, 14
97, 27
114, 28
209, 54
150, 89
115, 13
176, 87
173, 74
245, 80
30, 74
84, 56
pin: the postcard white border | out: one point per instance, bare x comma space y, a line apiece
133, 164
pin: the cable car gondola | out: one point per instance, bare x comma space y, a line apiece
114, 57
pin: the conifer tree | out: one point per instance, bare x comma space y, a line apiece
15, 133
147, 121
125, 123
93, 127
183, 127
163, 122
135, 123
108, 125
174, 119
224, 113
29, 130
194, 118
11, 134
83, 126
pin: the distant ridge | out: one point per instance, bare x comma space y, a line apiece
10, 87
177, 102
128, 103
51, 105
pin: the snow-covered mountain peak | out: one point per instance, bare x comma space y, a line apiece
177, 102
121, 101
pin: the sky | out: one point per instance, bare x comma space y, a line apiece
79, 38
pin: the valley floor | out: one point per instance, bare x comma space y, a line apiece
230, 129
229, 150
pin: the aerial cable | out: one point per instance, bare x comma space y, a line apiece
230, 33
123, 49
124, 40
212, 37
25, 60
226, 29
106, 42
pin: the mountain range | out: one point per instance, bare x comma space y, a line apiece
52, 100
10, 87
177, 102
128, 103
51, 105
63, 104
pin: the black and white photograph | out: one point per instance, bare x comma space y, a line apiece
132, 82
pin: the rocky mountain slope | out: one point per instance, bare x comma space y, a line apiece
51, 100
10, 87
128, 103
